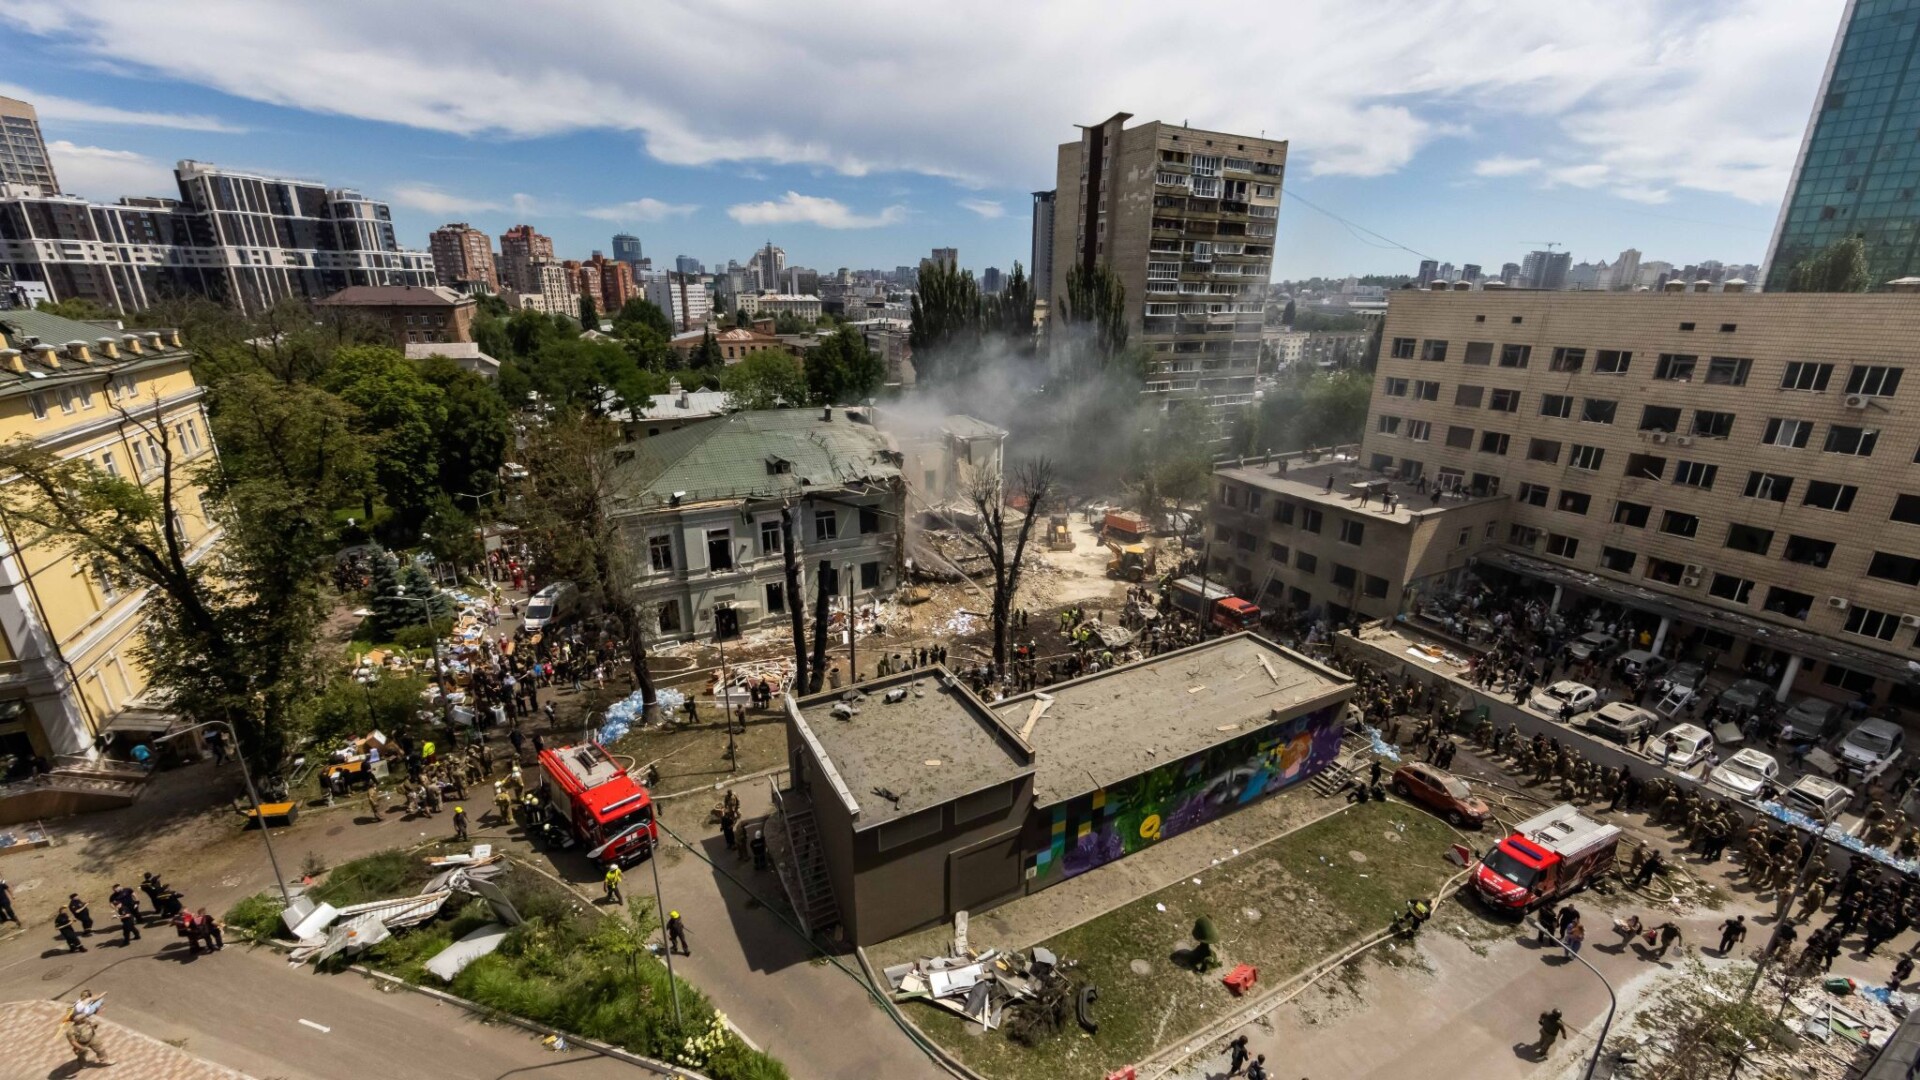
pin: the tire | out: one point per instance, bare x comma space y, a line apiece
1400, 788
1455, 819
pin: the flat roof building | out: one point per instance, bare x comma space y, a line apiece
910, 799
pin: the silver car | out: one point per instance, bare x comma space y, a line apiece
1745, 694
1872, 747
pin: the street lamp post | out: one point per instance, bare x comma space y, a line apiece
366, 679
1815, 855
253, 796
1612, 1002
660, 910
439, 666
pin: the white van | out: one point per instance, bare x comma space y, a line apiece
552, 605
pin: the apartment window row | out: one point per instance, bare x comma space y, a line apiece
1871, 380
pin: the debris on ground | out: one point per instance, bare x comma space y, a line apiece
1029, 993
323, 930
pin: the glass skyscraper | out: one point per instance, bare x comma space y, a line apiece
1859, 166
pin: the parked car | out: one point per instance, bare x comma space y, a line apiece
554, 604
1564, 700
1642, 660
1749, 773
1745, 694
1594, 644
1872, 747
1679, 685
1817, 797
1689, 742
1810, 720
1440, 791
1620, 721
1687, 673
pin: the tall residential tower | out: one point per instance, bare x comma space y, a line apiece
23, 152
1185, 219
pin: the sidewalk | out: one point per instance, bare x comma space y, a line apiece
30, 1030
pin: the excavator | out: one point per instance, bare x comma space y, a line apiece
1130, 562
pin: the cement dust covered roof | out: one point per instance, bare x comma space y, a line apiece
22, 326
1103, 728
762, 454
935, 744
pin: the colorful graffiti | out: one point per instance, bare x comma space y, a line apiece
1094, 829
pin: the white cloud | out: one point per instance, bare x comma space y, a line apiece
104, 174
986, 208
795, 208
1501, 165
1662, 96
435, 201
640, 210
55, 111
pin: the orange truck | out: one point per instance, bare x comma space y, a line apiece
1124, 526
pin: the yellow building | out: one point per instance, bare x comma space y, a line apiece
68, 631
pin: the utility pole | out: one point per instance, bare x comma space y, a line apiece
660, 910
853, 666
1815, 854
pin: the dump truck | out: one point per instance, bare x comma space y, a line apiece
607, 811
1547, 856
1125, 527
1213, 603
1129, 562
1058, 537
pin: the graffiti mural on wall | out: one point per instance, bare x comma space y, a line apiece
1096, 828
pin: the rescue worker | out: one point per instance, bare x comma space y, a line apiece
677, 934
460, 823
1551, 1028
612, 884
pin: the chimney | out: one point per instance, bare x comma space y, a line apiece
46, 354
154, 340
3, 338
1734, 285
1436, 286
77, 352
1703, 285
1462, 286
826, 414
1675, 286
14, 360
173, 338
131, 342
109, 348
1494, 286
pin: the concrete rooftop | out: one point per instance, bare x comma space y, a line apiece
1308, 484
1121, 722
937, 744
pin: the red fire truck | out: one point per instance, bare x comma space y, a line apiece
606, 810
1549, 855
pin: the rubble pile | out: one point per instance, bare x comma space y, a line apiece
1030, 994
323, 930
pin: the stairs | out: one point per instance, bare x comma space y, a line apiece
802, 864
1332, 780
75, 786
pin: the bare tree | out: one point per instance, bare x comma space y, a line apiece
987, 491
790, 562
567, 511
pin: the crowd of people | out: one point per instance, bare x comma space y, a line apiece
74, 920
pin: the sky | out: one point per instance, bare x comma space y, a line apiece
865, 134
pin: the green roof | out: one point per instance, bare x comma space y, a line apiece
25, 325
764, 454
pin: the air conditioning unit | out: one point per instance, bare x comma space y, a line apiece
1659, 436
1685, 440
1837, 603
1691, 581
1695, 570
1857, 401
1910, 620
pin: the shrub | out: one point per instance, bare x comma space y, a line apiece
383, 875
257, 915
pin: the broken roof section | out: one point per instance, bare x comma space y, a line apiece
1114, 724
733, 458
933, 743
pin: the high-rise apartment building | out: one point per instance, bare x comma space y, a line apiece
1545, 269
626, 249
1185, 219
521, 250
615, 280
23, 152
1857, 174
992, 281
1735, 470
1470, 273
687, 264
766, 268
1509, 273
463, 258
683, 299
1626, 271
1040, 264
945, 258
1429, 269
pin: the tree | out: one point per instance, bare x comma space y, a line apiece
438, 609
77, 308
1839, 267
580, 374
1008, 316
589, 313
383, 594
642, 312
230, 630
474, 432
842, 369
765, 379
945, 334
401, 414
988, 531
1095, 312
786, 322
708, 355
566, 513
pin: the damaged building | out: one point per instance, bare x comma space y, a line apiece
910, 799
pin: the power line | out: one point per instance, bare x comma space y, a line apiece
1353, 227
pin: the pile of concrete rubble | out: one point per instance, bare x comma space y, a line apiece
323, 930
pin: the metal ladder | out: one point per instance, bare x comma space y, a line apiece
803, 871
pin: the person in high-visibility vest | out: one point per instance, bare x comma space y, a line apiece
613, 884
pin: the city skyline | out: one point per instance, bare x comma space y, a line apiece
1421, 118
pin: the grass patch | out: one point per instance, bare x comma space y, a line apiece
1281, 907
257, 916
567, 966
696, 757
